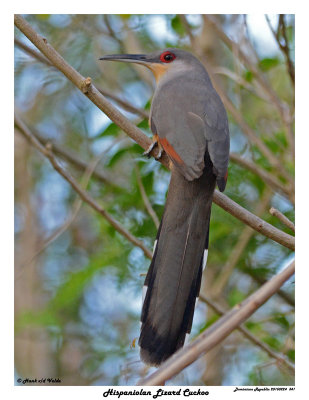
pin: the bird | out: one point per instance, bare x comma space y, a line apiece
190, 124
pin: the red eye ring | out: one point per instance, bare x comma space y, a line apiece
167, 57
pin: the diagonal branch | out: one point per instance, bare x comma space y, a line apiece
267, 177
138, 136
284, 47
244, 126
246, 60
73, 159
122, 103
241, 328
46, 151
146, 200
218, 331
260, 78
273, 211
243, 239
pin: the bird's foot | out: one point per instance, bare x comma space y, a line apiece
150, 148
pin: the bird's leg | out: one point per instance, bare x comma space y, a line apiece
153, 145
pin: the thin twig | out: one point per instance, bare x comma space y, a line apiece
32, 52
246, 60
284, 47
238, 249
267, 177
245, 127
283, 218
252, 220
145, 198
122, 103
75, 210
218, 331
74, 159
47, 152
138, 136
241, 328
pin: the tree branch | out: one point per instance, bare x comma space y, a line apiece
145, 198
47, 152
241, 328
138, 136
73, 159
282, 218
246, 60
243, 239
217, 331
267, 177
283, 47
246, 129
122, 103
252, 220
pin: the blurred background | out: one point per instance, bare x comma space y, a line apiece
78, 283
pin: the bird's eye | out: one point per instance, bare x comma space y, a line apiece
167, 57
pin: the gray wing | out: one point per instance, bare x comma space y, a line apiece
190, 119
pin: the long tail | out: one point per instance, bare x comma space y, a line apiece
174, 278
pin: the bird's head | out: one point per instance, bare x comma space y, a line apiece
159, 62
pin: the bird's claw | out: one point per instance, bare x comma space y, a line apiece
159, 155
149, 150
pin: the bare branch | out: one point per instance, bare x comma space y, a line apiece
267, 177
260, 78
218, 331
252, 220
246, 129
145, 198
32, 52
283, 218
122, 103
241, 328
73, 158
139, 137
47, 152
246, 60
284, 47
238, 249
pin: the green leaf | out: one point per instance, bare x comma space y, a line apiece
177, 25
116, 157
235, 296
32, 318
267, 63
143, 124
43, 17
125, 16
273, 342
291, 354
111, 130
248, 76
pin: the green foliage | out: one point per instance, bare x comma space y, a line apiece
268, 63
177, 25
235, 296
